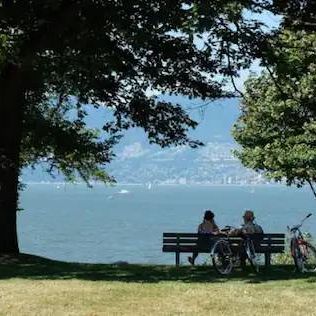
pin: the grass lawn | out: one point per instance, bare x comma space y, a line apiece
32, 285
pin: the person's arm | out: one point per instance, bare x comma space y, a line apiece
259, 229
235, 232
215, 229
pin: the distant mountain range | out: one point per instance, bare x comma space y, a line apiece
139, 162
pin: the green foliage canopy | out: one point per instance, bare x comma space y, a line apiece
110, 54
277, 127
297, 14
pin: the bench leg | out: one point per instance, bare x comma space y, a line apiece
267, 261
177, 258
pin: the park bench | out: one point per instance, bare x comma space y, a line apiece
187, 243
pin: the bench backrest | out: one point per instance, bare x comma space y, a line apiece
188, 242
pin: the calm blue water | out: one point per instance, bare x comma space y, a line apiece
125, 223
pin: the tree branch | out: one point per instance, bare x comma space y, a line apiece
230, 72
312, 187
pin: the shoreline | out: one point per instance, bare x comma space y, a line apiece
161, 184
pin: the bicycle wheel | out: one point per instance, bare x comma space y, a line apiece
297, 256
309, 255
251, 255
222, 257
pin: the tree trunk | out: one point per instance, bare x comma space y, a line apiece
11, 110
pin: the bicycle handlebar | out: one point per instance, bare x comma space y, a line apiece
305, 218
296, 227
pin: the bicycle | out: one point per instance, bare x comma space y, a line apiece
303, 253
224, 258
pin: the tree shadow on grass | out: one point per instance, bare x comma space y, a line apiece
37, 268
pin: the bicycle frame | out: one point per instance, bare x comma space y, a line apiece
245, 244
296, 233
298, 242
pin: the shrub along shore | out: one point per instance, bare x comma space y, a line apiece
31, 285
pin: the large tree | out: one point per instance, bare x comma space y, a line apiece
277, 127
56, 56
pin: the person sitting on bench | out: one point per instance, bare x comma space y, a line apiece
206, 228
249, 226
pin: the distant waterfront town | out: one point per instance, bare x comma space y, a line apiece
213, 164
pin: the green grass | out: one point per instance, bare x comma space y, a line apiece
31, 285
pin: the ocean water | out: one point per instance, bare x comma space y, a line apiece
125, 223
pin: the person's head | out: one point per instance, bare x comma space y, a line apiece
248, 216
209, 215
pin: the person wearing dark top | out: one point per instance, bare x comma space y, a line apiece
249, 227
205, 229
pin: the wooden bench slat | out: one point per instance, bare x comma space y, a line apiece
232, 240
195, 234
261, 249
193, 239
273, 243
274, 235
180, 234
181, 241
174, 235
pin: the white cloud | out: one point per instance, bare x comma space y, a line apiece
169, 153
134, 150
